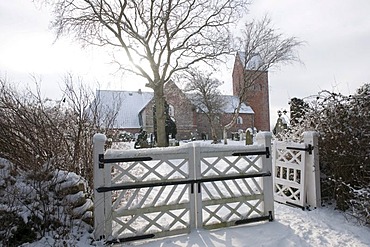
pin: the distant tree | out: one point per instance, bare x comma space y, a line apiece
159, 38
297, 110
281, 124
207, 97
263, 47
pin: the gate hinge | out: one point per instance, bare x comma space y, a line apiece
270, 216
101, 161
308, 149
267, 152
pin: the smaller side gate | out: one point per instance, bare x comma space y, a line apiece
151, 193
296, 172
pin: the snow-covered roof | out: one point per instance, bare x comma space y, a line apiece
128, 104
231, 102
253, 63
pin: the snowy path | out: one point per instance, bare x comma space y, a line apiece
292, 227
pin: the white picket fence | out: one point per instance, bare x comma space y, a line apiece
296, 172
157, 192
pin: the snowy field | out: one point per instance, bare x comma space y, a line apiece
291, 227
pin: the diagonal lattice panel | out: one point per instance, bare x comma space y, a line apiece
139, 209
225, 202
291, 193
289, 156
151, 197
149, 170
226, 212
229, 165
231, 188
155, 210
156, 220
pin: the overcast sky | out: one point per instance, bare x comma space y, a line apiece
336, 55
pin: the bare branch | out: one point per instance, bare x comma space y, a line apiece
206, 96
261, 48
168, 35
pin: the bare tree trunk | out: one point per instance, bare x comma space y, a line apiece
160, 117
214, 134
225, 135
232, 122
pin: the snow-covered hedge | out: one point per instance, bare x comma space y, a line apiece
344, 126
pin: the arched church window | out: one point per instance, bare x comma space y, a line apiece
171, 110
239, 120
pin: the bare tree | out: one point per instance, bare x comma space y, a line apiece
167, 36
207, 97
37, 132
262, 48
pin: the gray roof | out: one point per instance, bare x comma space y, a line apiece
231, 102
128, 104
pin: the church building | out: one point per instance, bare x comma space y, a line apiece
134, 109
258, 96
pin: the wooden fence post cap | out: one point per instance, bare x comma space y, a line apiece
308, 134
98, 137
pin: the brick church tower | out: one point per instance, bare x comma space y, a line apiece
258, 94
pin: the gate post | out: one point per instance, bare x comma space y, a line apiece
264, 138
197, 186
99, 221
312, 170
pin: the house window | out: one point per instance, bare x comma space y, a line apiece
239, 120
171, 110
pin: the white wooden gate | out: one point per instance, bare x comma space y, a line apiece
296, 172
152, 193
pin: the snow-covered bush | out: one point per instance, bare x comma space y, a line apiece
42, 138
344, 145
27, 213
36, 132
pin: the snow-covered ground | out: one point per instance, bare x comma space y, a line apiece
291, 227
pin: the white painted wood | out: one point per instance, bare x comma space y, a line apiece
196, 166
264, 139
99, 217
297, 173
169, 210
313, 170
108, 201
163, 210
225, 202
289, 173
